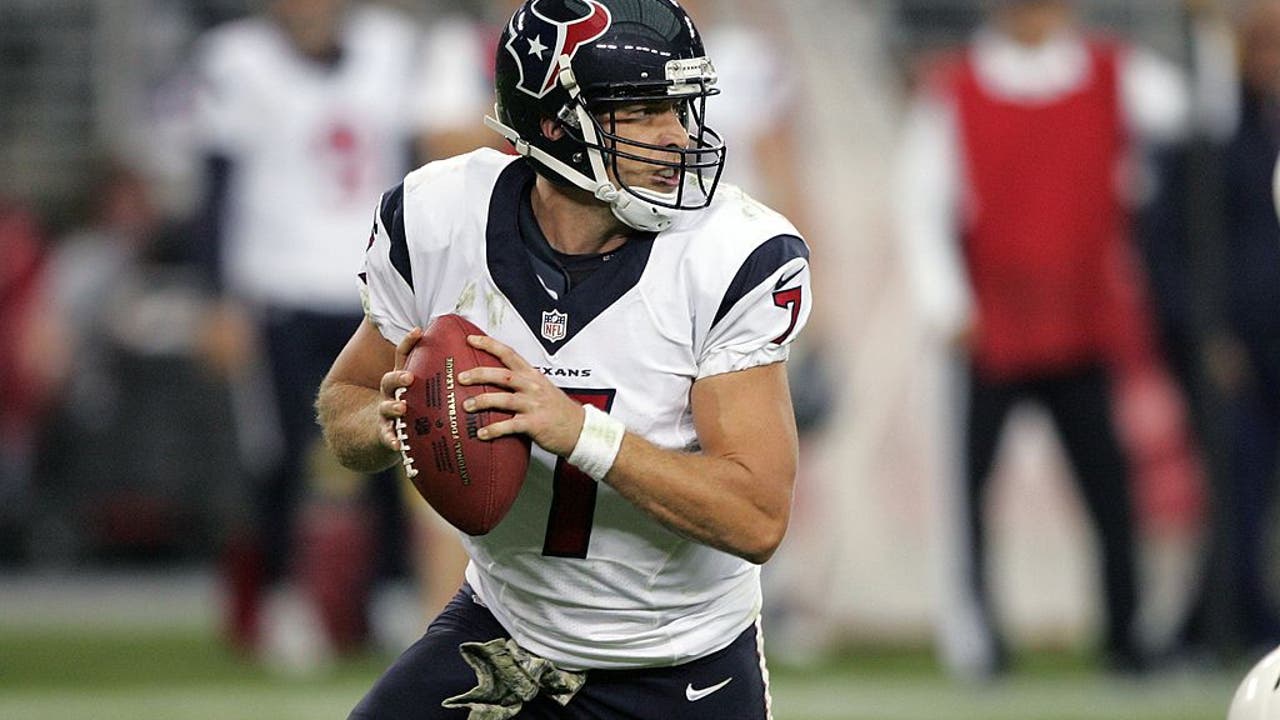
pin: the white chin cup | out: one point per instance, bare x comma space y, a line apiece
636, 213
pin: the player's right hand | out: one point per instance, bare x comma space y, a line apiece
389, 407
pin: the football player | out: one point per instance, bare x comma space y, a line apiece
302, 122
643, 312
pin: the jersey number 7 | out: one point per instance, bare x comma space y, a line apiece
789, 300
573, 496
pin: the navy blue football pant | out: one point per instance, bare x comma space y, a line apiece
432, 670
301, 347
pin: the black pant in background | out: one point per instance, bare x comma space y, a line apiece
1079, 401
301, 347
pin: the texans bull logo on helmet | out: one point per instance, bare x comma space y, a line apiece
537, 41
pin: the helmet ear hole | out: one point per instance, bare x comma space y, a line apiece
551, 129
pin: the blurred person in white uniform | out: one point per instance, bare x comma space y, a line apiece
457, 78
304, 112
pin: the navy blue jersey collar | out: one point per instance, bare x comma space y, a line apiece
553, 321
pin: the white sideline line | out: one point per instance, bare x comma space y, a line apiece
160, 600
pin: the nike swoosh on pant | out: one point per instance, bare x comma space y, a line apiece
693, 695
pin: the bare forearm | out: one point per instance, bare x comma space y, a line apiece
734, 496
349, 418
715, 501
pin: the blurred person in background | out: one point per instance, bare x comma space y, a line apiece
756, 114
122, 310
1013, 211
305, 114
760, 89
1248, 366
457, 77
1241, 355
457, 80
24, 379
89, 266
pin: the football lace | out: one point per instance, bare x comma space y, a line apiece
402, 432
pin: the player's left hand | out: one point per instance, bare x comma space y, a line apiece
540, 410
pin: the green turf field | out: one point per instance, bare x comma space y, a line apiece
185, 674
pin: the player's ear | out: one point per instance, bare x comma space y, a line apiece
551, 129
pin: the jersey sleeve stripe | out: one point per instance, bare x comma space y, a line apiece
763, 262
391, 214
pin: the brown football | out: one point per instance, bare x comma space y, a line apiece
470, 482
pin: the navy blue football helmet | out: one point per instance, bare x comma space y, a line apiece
574, 60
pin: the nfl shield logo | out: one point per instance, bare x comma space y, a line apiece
555, 325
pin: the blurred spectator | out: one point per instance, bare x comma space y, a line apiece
755, 113
24, 379
1012, 206
121, 312
89, 266
1241, 355
1247, 365
457, 84
758, 93
306, 113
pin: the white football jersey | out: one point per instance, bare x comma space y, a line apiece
311, 146
576, 573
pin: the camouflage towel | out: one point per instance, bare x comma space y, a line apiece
508, 676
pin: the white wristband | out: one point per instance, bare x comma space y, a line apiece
598, 443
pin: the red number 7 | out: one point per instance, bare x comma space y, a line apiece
573, 497
788, 299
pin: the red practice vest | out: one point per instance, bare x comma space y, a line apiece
1043, 220
21, 272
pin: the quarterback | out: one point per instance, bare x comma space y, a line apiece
643, 312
